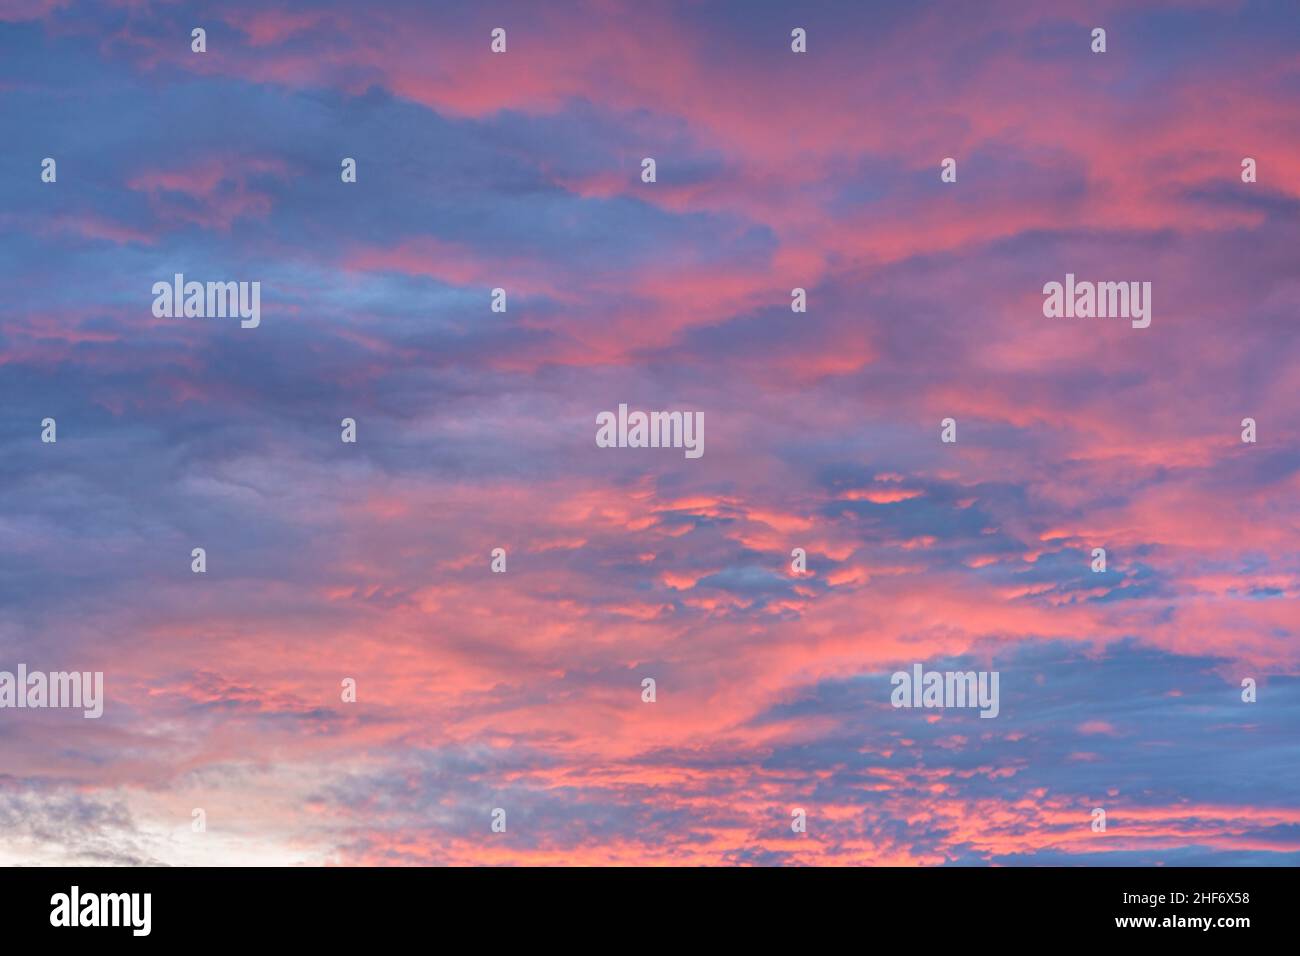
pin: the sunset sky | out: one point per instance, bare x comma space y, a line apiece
476, 430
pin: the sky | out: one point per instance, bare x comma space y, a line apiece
522, 691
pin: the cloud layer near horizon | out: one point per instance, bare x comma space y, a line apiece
476, 431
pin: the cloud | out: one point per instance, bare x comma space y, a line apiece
476, 430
